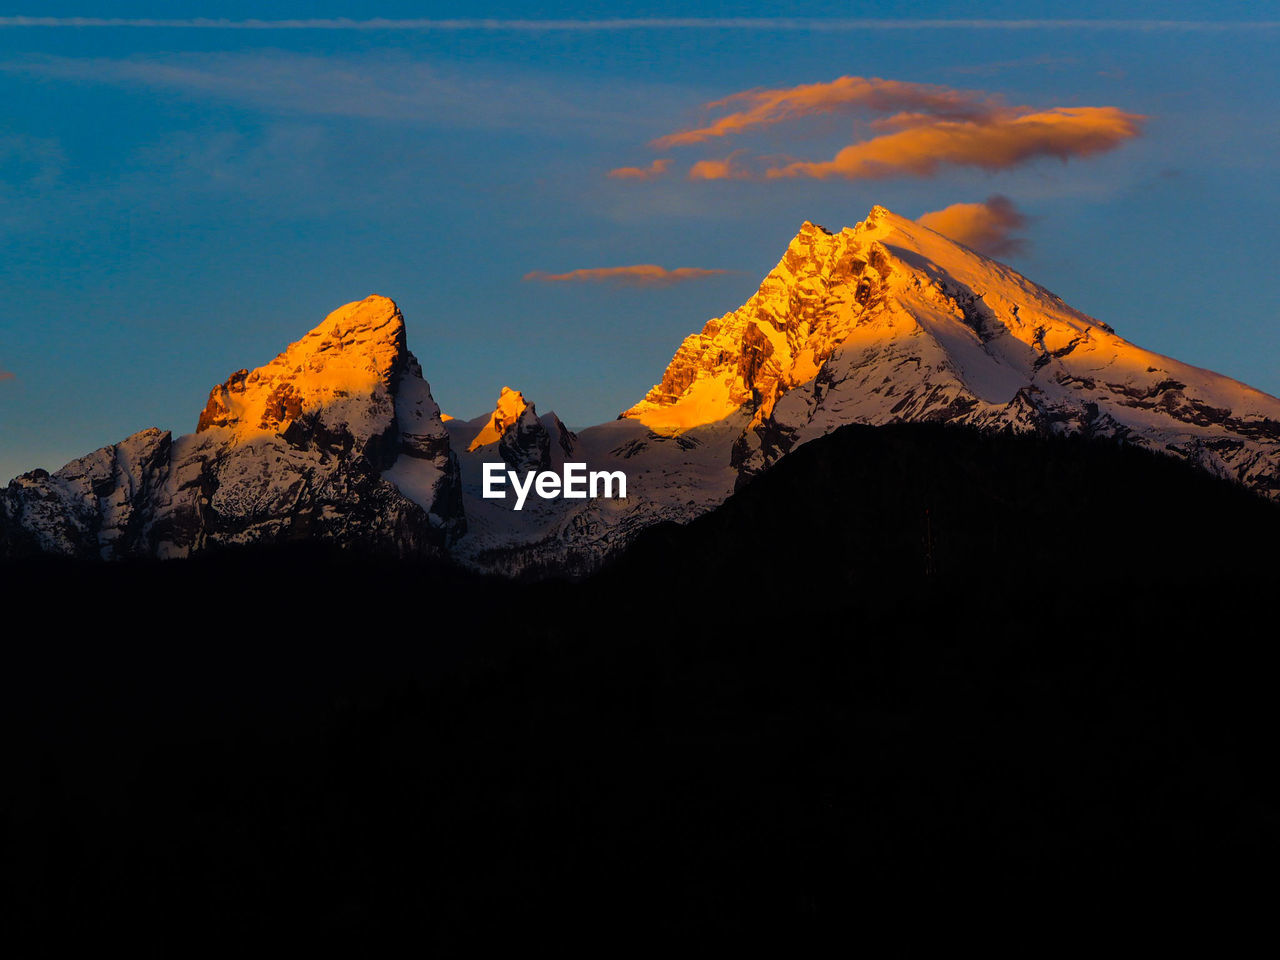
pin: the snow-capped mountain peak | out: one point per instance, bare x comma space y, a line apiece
889, 321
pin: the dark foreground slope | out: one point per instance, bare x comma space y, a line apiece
906, 666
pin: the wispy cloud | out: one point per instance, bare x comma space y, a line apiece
655, 169
921, 128
846, 94
993, 143
635, 23
986, 227
279, 82
386, 87
637, 275
6, 375
727, 168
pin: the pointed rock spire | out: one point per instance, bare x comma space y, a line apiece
510, 406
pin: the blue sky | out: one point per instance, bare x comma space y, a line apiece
180, 202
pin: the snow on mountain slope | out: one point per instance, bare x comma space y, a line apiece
300, 447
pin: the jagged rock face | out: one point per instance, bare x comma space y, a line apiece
94, 507
778, 339
562, 438
526, 444
536, 443
337, 438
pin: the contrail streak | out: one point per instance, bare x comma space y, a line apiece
650, 23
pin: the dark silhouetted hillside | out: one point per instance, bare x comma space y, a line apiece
903, 662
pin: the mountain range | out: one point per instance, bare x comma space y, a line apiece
933, 589
339, 440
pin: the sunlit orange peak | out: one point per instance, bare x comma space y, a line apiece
334, 370
510, 405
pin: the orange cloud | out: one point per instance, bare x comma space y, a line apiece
655, 169
985, 227
6, 375
996, 143
637, 275
922, 127
766, 107
727, 169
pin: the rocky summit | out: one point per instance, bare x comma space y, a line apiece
338, 438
